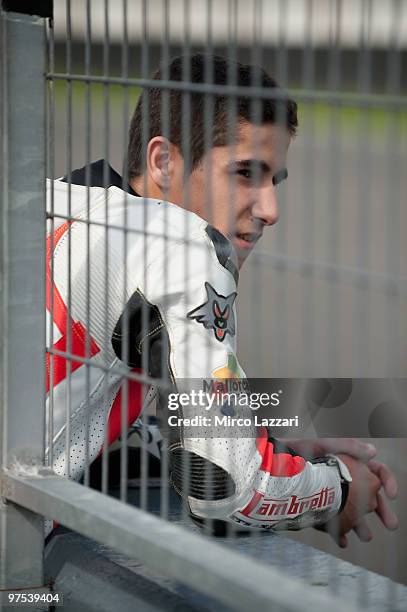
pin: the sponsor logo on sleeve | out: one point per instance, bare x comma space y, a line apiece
230, 370
262, 508
216, 313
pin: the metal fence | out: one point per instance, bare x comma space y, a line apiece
325, 294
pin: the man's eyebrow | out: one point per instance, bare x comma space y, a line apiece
280, 176
254, 163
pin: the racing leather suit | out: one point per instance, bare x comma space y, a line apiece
160, 298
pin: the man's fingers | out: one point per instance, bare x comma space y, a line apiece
343, 541
332, 527
386, 477
387, 516
357, 449
350, 446
363, 532
340, 539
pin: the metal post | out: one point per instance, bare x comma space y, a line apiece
22, 273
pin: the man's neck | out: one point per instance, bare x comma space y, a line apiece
145, 189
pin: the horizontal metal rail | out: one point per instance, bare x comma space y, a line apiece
118, 369
391, 283
319, 96
116, 227
235, 580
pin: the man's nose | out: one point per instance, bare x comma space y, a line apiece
265, 207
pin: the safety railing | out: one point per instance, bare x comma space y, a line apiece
46, 99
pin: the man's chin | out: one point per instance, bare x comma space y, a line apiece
243, 248
241, 258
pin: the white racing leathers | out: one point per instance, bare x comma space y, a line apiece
159, 299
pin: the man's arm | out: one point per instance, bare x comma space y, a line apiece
185, 294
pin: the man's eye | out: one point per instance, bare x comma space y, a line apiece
245, 173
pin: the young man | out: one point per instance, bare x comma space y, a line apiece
159, 299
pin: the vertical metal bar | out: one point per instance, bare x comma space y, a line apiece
303, 294
124, 459
125, 383
106, 156
335, 236
394, 235
307, 303
362, 307
105, 452
209, 108
333, 196
22, 267
165, 130
145, 67
308, 63
51, 173
282, 55
68, 408
280, 297
257, 343
88, 146
186, 149
256, 112
144, 459
392, 213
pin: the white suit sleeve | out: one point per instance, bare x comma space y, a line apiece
190, 291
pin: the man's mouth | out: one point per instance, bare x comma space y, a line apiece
247, 240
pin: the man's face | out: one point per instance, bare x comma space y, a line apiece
234, 187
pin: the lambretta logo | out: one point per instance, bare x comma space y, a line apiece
260, 506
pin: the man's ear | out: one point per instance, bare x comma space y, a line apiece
160, 161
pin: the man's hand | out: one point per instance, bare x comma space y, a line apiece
354, 449
364, 497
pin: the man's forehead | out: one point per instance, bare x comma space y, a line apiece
266, 135
265, 144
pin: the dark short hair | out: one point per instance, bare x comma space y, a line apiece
278, 108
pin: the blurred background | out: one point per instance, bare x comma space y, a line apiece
325, 294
